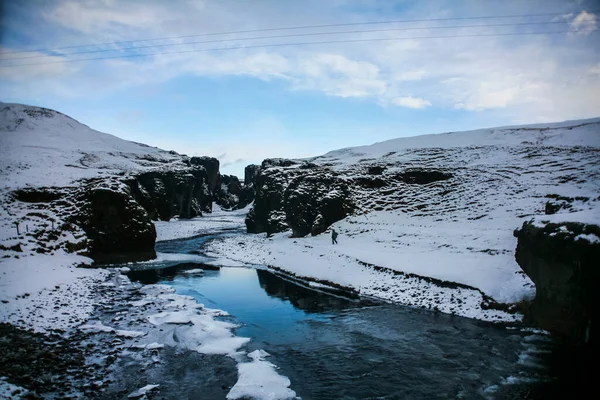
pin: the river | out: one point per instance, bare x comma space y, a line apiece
332, 346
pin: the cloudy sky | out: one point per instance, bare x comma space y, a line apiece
269, 92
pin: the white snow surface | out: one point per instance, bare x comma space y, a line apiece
258, 379
568, 133
41, 147
141, 392
217, 220
10, 391
47, 292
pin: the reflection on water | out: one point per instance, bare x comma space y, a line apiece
336, 347
167, 273
301, 297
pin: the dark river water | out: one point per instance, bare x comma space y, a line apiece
335, 347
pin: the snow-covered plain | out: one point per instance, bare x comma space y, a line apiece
458, 230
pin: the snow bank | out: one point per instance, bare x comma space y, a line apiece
46, 292
470, 253
259, 379
10, 391
142, 391
590, 216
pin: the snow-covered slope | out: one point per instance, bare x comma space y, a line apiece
42, 147
455, 230
567, 133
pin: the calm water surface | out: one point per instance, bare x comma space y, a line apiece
334, 347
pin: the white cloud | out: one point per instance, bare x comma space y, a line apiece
411, 102
522, 76
584, 23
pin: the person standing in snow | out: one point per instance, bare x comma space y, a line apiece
334, 236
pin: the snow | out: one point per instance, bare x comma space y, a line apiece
47, 292
258, 379
201, 332
217, 220
96, 327
589, 216
143, 391
590, 237
195, 271
567, 133
10, 391
129, 334
40, 147
190, 325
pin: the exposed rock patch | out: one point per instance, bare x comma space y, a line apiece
117, 227
165, 194
564, 267
307, 197
313, 202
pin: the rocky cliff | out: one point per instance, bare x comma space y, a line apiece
164, 194
562, 260
307, 197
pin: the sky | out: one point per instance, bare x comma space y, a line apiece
267, 92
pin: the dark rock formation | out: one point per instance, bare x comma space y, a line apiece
165, 194
423, 176
376, 169
268, 214
117, 227
313, 202
564, 268
250, 174
37, 195
558, 203
211, 165
278, 162
228, 192
308, 197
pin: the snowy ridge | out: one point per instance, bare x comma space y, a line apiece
42, 147
568, 133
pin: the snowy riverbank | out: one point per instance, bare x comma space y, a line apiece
115, 322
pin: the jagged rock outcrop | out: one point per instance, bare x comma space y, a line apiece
211, 165
117, 227
231, 194
165, 194
250, 174
313, 202
562, 261
307, 197
268, 214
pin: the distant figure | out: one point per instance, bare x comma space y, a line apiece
334, 236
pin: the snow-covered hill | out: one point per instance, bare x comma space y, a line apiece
42, 147
57, 160
436, 206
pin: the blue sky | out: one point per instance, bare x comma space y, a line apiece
244, 105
